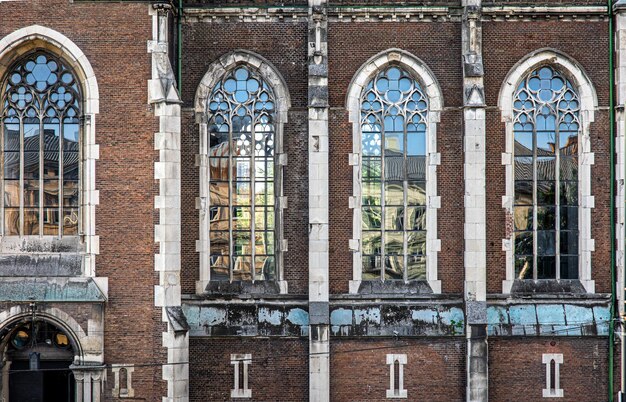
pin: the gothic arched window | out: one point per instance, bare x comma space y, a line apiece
242, 202
40, 141
394, 115
546, 128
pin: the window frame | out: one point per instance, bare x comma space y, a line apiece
86, 243
431, 89
215, 73
588, 104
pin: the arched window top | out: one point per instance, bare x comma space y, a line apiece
41, 85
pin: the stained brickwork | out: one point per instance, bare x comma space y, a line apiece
360, 373
516, 368
278, 371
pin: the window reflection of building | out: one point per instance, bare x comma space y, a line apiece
41, 173
546, 177
241, 178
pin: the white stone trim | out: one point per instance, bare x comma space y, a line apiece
552, 390
238, 391
12, 47
216, 72
588, 106
123, 390
400, 392
431, 88
620, 155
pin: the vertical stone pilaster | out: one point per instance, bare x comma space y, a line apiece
475, 228
620, 144
89, 381
319, 359
164, 97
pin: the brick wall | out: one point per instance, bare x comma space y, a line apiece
435, 369
279, 369
516, 368
499, 58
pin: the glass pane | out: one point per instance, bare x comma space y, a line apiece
394, 168
31, 192
524, 243
416, 243
51, 133
264, 218
371, 141
264, 169
394, 267
569, 168
242, 217
70, 194
219, 243
50, 193
523, 218
546, 143
219, 169
416, 143
218, 193
70, 221
523, 168
31, 137
416, 267
546, 242
51, 164
11, 137
265, 268
523, 192
264, 243
546, 168
241, 168
371, 217
371, 267
12, 165
394, 144
372, 169
220, 270
569, 267
569, 193
416, 193
264, 193
569, 243
218, 218
31, 165
394, 218
545, 193
242, 268
242, 193
31, 222
394, 193
546, 218
569, 218
70, 137
417, 218
523, 143
70, 166
12, 193
50, 221
546, 267
371, 242
371, 193
11, 221
416, 168
394, 242
241, 243
524, 267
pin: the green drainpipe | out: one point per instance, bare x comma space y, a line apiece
612, 198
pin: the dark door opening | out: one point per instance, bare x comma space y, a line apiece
53, 383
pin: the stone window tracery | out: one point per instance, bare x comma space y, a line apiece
242, 202
546, 129
39, 137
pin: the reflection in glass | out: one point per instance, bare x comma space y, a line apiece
546, 126
41, 108
241, 171
393, 177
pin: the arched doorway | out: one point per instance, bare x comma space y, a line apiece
36, 363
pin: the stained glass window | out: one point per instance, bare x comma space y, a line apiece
393, 199
40, 136
546, 128
241, 112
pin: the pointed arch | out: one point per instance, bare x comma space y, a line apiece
576, 75
37, 37
430, 88
267, 73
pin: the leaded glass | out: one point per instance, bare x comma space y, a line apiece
40, 179
393, 144
241, 115
546, 127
